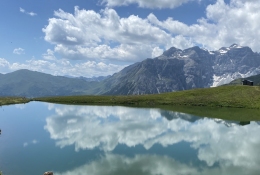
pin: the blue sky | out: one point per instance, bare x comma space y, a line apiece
100, 37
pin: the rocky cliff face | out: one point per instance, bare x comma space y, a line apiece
234, 62
185, 69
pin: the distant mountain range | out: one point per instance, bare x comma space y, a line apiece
174, 70
35, 84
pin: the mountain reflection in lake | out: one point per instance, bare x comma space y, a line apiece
102, 140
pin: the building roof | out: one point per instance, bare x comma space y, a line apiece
247, 81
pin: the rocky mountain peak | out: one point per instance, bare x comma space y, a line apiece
234, 49
195, 50
171, 52
234, 46
239, 47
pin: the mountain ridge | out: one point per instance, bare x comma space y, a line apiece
36, 84
174, 70
190, 68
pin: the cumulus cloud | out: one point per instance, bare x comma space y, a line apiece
4, 63
235, 22
224, 25
49, 55
18, 51
28, 13
105, 35
90, 35
147, 4
62, 67
157, 52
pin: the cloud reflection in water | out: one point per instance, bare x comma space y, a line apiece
112, 164
88, 127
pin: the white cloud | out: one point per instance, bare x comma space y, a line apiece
224, 25
53, 66
49, 55
22, 10
90, 35
87, 34
4, 62
147, 4
157, 52
25, 144
35, 141
28, 13
18, 51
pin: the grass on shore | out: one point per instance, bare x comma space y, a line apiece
13, 100
220, 102
235, 114
224, 96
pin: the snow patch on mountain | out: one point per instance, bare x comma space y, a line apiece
220, 80
235, 46
222, 51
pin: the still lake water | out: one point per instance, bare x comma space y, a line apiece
101, 140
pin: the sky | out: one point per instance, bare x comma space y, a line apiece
100, 37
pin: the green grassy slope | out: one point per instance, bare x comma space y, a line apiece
255, 79
224, 96
210, 102
236, 114
12, 100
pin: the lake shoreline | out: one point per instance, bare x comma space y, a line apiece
247, 97
13, 100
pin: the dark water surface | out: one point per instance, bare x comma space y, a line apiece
101, 140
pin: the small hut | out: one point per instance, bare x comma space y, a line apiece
247, 82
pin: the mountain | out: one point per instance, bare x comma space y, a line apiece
35, 84
235, 62
174, 70
178, 69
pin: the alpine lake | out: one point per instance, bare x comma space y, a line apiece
113, 140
